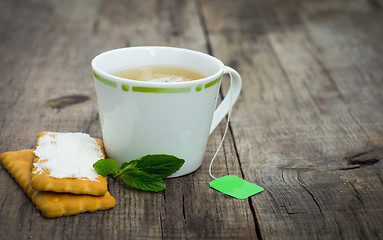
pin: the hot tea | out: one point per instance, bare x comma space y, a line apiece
160, 73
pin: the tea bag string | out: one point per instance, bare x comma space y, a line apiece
226, 128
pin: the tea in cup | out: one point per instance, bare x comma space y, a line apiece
160, 100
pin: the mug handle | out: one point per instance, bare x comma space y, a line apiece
230, 99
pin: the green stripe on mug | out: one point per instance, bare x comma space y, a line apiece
125, 87
199, 88
212, 82
160, 90
105, 81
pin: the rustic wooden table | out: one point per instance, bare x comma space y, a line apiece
308, 126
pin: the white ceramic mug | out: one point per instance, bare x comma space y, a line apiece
139, 118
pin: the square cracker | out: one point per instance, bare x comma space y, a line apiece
44, 182
19, 165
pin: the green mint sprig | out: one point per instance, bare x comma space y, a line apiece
145, 173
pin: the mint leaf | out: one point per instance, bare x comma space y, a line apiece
141, 180
158, 165
144, 173
125, 164
104, 167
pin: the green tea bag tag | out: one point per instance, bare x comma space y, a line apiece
235, 186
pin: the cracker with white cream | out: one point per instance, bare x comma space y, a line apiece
51, 204
64, 163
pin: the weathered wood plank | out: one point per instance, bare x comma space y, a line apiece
307, 126
306, 106
46, 53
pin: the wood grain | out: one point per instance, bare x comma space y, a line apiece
307, 127
310, 106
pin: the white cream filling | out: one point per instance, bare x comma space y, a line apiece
68, 155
